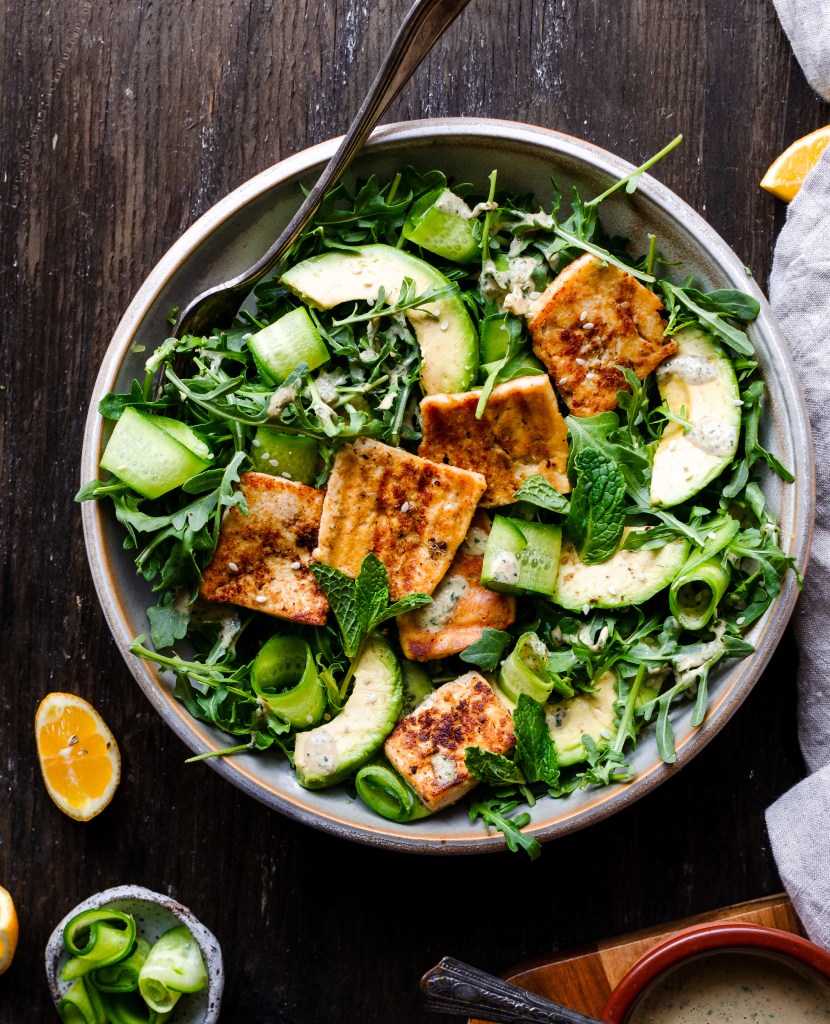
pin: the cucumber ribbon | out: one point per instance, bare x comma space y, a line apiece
284, 678
532, 669
81, 1005
381, 788
173, 966
96, 938
123, 976
702, 581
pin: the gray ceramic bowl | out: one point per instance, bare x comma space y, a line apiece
240, 227
154, 914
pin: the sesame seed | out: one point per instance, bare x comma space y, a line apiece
640, 577
286, 475
587, 327
612, 591
444, 325
563, 380
256, 443
737, 401
585, 609
583, 315
274, 462
741, 619
296, 565
245, 336
672, 445
711, 535
405, 507
309, 719
233, 567
579, 362
265, 455
261, 599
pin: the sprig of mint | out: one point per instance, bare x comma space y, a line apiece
596, 518
536, 490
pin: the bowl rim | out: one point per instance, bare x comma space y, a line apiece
701, 939
196, 736
208, 943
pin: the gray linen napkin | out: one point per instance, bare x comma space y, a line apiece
799, 822
807, 24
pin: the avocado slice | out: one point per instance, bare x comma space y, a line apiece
445, 332
328, 754
626, 578
698, 382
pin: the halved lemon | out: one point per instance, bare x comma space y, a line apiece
8, 930
78, 754
786, 176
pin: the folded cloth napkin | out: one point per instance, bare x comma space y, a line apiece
807, 24
799, 822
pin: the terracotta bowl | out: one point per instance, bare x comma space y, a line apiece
710, 939
154, 914
241, 227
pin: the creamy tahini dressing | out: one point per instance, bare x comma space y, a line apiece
714, 437
446, 596
475, 542
321, 757
505, 568
692, 369
733, 988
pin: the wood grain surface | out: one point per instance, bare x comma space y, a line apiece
584, 978
120, 124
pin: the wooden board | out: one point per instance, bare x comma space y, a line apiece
584, 978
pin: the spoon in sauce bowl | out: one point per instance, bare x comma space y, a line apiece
423, 26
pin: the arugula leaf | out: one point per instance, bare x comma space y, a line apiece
536, 490
683, 295
535, 749
596, 517
727, 301
494, 812
168, 623
486, 652
494, 769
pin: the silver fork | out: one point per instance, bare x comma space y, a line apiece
423, 26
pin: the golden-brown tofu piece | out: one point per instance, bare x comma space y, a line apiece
411, 513
427, 747
592, 318
461, 607
262, 559
521, 433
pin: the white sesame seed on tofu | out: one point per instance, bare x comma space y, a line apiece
405, 507
296, 565
233, 567
585, 609
260, 599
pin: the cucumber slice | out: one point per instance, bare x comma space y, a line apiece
184, 435
279, 454
521, 557
279, 348
440, 222
148, 457
331, 752
284, 677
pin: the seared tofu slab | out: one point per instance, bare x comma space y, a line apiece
592, 318
461, 607
411, 513
521, 433
427, 747
262, 559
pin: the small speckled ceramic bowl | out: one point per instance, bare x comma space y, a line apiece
240, 228
154, 915
707, 940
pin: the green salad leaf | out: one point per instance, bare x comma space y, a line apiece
596, 517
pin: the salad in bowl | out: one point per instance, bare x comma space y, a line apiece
465, 503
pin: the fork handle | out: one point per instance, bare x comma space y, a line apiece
456, 988
425, 23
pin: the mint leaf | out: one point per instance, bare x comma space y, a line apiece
340, 591
372, 591
486, 652
495, 769
536, 490
597, 513
406, 604
535, 750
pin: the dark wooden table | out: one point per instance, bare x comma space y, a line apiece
120, 124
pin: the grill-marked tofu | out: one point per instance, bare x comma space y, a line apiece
411, 513
461, 607
262, 559
591, 319
427, 747
521, 433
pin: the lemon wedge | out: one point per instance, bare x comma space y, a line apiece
8, 930
786, 175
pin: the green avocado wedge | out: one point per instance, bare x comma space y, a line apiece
699, 383
626, 578
330, 753
445, 332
